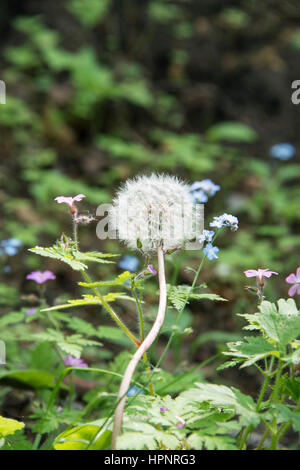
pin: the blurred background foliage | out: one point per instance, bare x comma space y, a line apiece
101, 90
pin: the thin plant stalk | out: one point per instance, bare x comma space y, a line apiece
150, 338
142, 337
112, 312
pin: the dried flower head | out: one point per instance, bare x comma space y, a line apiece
153, 211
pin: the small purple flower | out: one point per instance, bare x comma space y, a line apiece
41, 277
283, 151
181, 424
129, 263
59, 409
206, 236
164, 409
151, 269
72, 361
211, 251
295, 280
30, 311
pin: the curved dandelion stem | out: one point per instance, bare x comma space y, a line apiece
150, 338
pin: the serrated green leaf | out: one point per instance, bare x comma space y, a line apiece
125, 276
179, 296
252, 349
220, 395
198, 441
61, 255
70, 255
283, 325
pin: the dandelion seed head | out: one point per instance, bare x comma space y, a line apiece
153, 211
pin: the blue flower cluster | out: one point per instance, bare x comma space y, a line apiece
202, 190
10, 247
206, 236
284, 151
225, 220
129, 263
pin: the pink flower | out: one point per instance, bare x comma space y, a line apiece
151, 269
294, 279
181, 424
259, 274
70, 201
31, 311
41, 277
72, 361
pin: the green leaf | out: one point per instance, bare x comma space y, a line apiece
89, 12
282, 325
11, 318
9, 426
81, 326
90, 300
232, 131
28, 378
94, 256
285, 414
87, 436
59, 254
232, 398
144, 436
199, 440
208, 297
125, 276
114, 334
70, 255
72, 344
252, 348
180, 295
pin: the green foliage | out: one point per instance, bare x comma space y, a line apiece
232, 132
229, 398
89, 12
204, 428
279, 327
72, 256
179, 296
72, 344
119, 280
82, 115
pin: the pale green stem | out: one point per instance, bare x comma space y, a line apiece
112, 312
